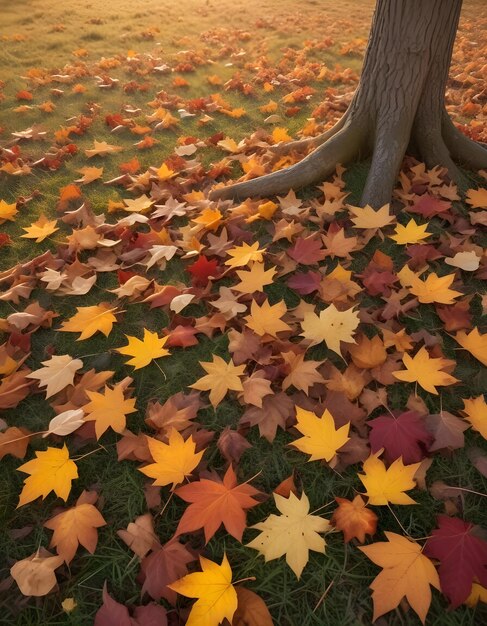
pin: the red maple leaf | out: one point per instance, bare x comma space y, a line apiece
305, 282
402, 436
462, 556
203, 269
307, 251
429, 205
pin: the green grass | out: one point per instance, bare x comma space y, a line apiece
52, 32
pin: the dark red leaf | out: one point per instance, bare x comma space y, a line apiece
402, 436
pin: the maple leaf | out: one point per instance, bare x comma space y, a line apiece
321, 439
435, 289
354, 519
89, 174
214, 503
7, 211
462, 556
475, 411
162, 566
14, 441
221, 377
203, 269
254, 279
52, 470
138, 205
331, 326
256, 387
35, 575
244, 254
475, 343
411, 233
426, 371
112, 613
447, 431
367, 217
145, 350
293, 533
40, 229
407, 572
101, 148
91, 319
173, 460
75, 526
58, 372
217, 598
368, 353
266, 319
388, 485
402, 436
251, 610
477, 198
275, 411
303, 374
307, 251
140, 536
108, 409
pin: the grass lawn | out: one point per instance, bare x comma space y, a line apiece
74, 73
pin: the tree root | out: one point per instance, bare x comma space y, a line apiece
438, 140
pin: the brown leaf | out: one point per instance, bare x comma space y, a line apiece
140, 536
232, 445
447, 430
35, 575
251, 610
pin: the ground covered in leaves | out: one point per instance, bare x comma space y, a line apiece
286, 392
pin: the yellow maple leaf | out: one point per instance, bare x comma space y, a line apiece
221, 377
478, 594
52, 470
138, 205
386, 485
73, 527
434, 289
244, 254
331, 326
294, 533
254, 279
91, 319
228, 144
7, 211
475, 343
411, 233
40, 229
280, 134
475, 410
209, 218
165, 173
100, 148
143, 351
89, 174
367, 217
173, 460
426, 371
108, 409
266, 319
407, 572
217, 598
321, 439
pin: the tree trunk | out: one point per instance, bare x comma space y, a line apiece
399, 99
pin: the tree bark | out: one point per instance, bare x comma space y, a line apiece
399, 99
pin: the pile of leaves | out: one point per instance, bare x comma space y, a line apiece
301, 332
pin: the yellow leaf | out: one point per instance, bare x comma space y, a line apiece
52, 470
478, 594
228, 144
165, 173
221, 377
267, 209
280, 134
475, 343
109, 409
89, 174
217, 598
266, 319
331, 326
426, 371
254, 279
367, 217
434, 289
174, 461
411, 233
270, 107
138, 205
145, 350
209, 218
7, 211
101, 148
73, 527
91, 319
475, 410
321, 439
244, 254
388, 485
294, 533
406, 573
40, 229
68, 605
